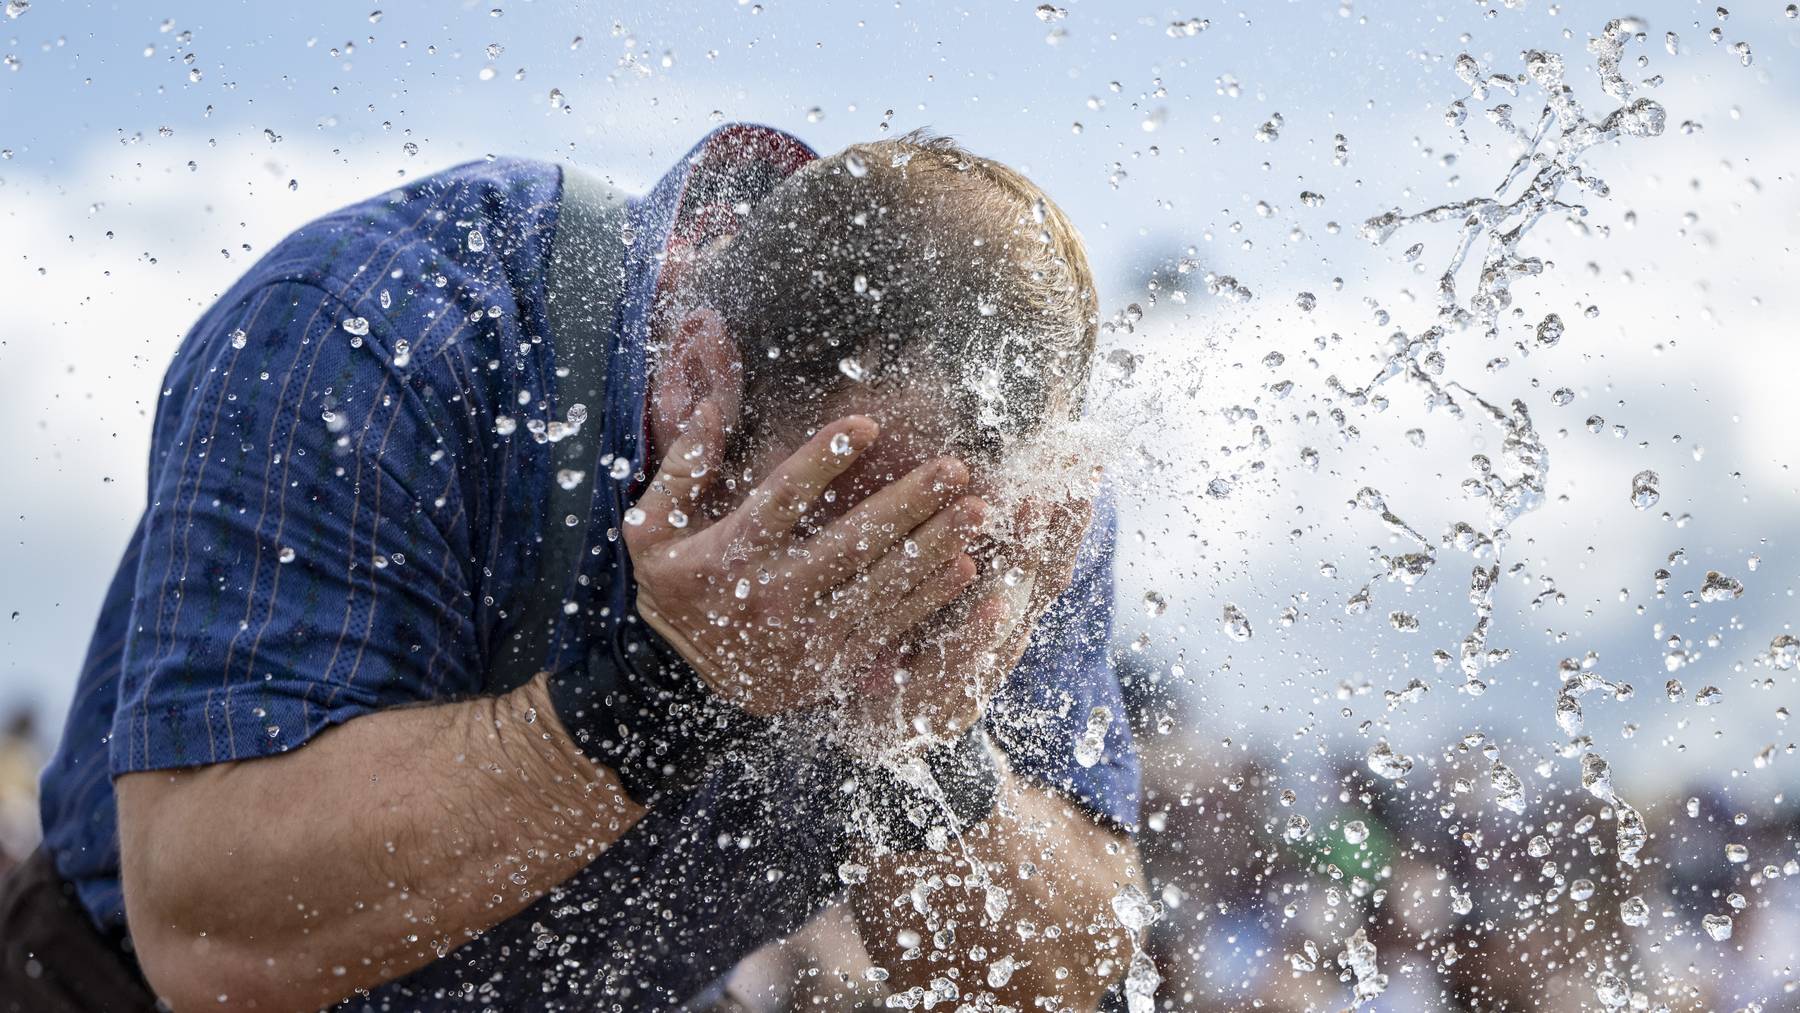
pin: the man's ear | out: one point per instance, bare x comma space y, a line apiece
699, 362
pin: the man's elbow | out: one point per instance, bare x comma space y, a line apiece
188, 967
180, 902
192, 972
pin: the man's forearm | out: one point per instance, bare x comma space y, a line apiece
292, 881
1047, 933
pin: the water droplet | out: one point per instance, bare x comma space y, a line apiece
356, 326
1717, 926
1596, 777
1644, 492
1237, 625
1784, 652
1568, 715
239, 339
1090, 746
286, 555
1718, 587
1549, 331
840, 444
1387, 763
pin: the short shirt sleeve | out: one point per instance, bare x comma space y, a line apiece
301, 564
1061, 716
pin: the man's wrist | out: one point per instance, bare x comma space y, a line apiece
922, 802
638, 708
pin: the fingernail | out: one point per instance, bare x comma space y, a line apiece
861, 430
963, 571
974, 509
951, 471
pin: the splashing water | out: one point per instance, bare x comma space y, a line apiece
1136, 913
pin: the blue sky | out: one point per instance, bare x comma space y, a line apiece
132, 190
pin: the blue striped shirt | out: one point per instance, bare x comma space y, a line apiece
353, 482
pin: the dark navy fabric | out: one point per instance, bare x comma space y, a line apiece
348, 487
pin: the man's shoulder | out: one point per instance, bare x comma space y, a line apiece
474, 229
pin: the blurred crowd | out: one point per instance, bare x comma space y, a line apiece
21, 758
1265, 865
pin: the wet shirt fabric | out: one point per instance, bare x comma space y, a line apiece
359, 479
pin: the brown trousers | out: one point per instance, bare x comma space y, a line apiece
52, 957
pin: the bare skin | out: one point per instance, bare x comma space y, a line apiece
1058, 867
1059, 872
288, 882
400, 834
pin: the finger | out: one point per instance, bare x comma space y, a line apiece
901, 614
867, 532
770, 512
955, 675
978, 630
664, 510
933, 543
1068, 530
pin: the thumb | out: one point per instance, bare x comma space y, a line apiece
667, 509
